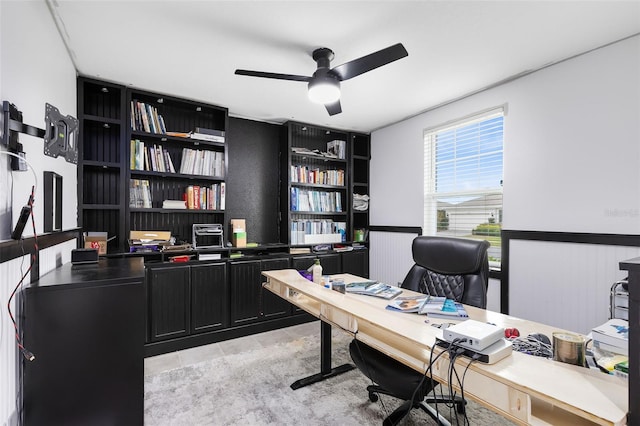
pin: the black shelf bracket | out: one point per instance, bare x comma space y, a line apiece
60, 135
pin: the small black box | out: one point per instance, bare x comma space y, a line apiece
84, 255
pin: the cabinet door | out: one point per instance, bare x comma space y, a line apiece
356, 262
209, 297
331, 263
169, 302
300, 263
274, 306
245, 288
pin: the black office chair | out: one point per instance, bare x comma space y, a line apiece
452, 267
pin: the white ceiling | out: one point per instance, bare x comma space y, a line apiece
191, 49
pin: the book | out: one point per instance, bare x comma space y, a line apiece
407, 303
614, 332
622, 367
442, 307
359, 286
207, 137
209, 256
373, 288
206, 131
174, 204
610, 348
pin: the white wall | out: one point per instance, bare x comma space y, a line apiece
34, 68
571, 155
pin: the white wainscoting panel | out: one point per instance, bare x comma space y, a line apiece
56, 256
10, 274
390, 256
565, 285
493, 295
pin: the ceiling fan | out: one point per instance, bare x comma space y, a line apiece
324, 85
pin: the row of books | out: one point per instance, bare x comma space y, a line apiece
139, 193
202, 162
305, 174
337, 148
150, 157
304, 200
306, 231
206, 197
145, 118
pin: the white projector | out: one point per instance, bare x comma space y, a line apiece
474, 335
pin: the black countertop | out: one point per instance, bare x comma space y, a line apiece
104, 272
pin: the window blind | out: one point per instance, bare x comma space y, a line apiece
463, 179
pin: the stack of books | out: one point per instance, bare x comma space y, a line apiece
210, 135
373, 288
612, 336
441, 307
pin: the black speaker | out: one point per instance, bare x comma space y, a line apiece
84, 255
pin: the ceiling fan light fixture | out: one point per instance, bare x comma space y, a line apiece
324, 90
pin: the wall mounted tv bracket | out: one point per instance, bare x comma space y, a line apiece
212, 230
60, 135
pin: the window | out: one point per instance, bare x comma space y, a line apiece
463, 180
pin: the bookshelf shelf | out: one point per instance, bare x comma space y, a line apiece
101, 207
101, 164
182, 176
167, 138
172, 211
105, 121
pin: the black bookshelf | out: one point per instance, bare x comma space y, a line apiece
307, 199
122, 183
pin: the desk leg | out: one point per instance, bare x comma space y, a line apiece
325, 361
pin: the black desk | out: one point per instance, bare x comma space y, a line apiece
85, 326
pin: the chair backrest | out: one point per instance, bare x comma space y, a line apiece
453, 267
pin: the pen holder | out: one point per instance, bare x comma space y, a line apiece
338, 285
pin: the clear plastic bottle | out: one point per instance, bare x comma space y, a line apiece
316, 272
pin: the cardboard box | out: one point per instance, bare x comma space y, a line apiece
96, 240
238, 233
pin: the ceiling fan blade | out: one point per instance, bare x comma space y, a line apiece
276, 76
369, 62
334, 108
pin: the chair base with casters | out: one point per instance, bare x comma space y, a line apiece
375, 364
451, 267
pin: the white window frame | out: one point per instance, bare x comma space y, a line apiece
430, 194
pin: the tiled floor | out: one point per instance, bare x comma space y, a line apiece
179, 359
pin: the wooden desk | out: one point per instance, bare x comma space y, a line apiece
522, 388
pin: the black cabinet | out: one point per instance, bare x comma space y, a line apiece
273, 306
244, 290
356, 262
209, 302
331, 262
186, 299
249, 301
169, 302
85, 326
